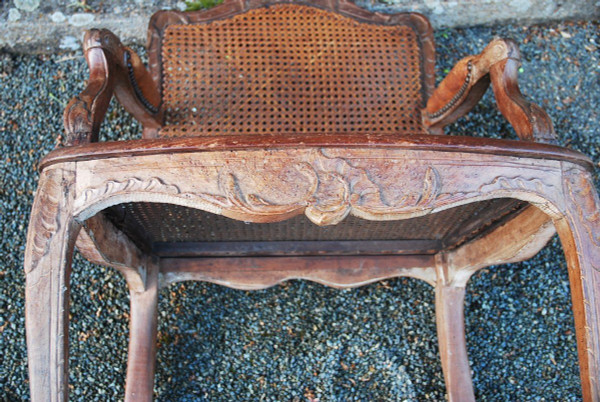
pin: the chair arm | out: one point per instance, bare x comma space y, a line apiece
117, 69
466, 83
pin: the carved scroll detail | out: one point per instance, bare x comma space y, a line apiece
49, 213
585, 203
45, 221
327, 187
516, 183
78, 122
112, 187
331, 188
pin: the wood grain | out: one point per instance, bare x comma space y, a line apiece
466, 83
579, 231
270, 178
251, 273
50, 242
101, 243
461, 144
141, 356
450, 323
114, 69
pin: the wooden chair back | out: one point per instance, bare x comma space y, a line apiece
247, 68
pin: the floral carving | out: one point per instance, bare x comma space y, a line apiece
331, 188
327, 187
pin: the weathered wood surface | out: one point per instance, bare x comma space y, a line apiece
579, 231
327, 184
433, 143
101, 243
50, 241
114, 69
272, 178
141, 356
450, 324
251, 273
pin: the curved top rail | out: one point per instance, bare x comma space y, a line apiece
462, 144
161, 20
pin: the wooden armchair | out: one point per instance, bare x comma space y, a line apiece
300, 140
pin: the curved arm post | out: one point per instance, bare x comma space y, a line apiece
116, 69
466, 83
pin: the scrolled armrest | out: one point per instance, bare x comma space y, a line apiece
466, 83
117, 69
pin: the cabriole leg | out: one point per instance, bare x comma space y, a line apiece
579, 232
141, 360
50, 242
449, 312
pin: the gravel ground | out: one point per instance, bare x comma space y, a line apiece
302, 341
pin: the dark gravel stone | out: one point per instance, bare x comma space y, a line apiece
302, 341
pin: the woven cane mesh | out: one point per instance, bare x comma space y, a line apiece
152, 222
290, 69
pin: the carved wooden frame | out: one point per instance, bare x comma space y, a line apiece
375, 177
229, 8
314, 181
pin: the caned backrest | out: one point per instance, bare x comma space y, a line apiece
291, 68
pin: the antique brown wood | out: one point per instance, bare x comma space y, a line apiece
141, 358
343, 205
116, 69
469, 79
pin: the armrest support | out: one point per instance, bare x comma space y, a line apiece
116, 69
466, 83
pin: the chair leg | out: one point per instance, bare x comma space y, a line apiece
449, 312
141, 359
579, 232
449, 300
50, 242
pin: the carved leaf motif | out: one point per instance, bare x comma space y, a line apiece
329, 189
251, 203
431, 187
359, 189
112, 187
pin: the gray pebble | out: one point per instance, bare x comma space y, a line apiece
81, 19
69, 43
13, 15
27, 5
58, 17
